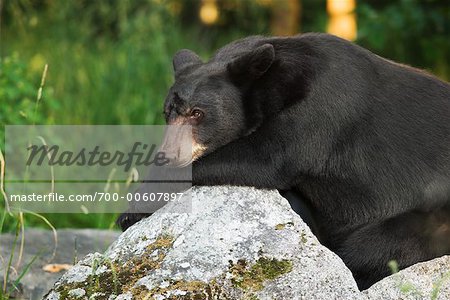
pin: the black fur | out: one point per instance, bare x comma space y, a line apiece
364, 140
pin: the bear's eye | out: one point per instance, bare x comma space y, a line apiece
196, 114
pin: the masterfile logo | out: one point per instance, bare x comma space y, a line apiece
94, 168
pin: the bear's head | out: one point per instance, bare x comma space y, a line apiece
210, 98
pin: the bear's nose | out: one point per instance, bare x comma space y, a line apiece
173, 155
177, 145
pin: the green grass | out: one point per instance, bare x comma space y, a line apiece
91, 79
99, 81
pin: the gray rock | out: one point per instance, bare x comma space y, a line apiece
427, 280
237, 243
72, 245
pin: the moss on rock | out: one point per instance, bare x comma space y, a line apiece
252, 278
119, 278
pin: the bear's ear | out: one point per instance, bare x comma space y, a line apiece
254, 64
184, 58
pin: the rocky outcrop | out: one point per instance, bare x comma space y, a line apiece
427, 280
235, 243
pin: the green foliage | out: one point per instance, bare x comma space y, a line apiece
18, 93
393, 266
110, 64
414, 32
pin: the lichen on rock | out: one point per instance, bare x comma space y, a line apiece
105, 277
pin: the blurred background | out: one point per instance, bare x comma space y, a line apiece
109, 62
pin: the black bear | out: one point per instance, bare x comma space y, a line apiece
364, 141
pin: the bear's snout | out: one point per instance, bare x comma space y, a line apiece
177, 145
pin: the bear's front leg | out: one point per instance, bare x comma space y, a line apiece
159, 182
264, 159
127, 219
